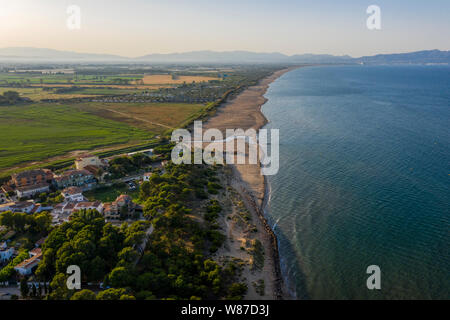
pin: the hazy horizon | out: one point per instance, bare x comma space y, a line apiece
290, 27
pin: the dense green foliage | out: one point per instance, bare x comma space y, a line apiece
37, 223
7, 272
38, 131
92, 244
121, 166
9, 98
175, 263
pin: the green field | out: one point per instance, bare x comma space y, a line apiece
37, 132
109, 194
34, 78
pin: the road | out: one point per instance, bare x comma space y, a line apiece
143, 244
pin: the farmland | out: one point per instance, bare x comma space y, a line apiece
154, 117
54, 114
37, 132
168, 79
40, 131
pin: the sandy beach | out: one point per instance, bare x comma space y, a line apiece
248, 185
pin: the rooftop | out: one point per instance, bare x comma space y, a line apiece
31, 173
73, 190
33, 187
29, 262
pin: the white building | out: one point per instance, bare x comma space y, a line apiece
22, 206
73, 194
5, 252
29, 191
82, 162
147, 176
26, 267
95, 205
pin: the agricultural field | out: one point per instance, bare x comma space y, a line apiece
39, 131
30, 78
154, 117
169, 79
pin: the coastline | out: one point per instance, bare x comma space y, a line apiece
244, 111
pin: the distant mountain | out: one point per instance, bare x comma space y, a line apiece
241, 57
40, 55
427, 56
319, 58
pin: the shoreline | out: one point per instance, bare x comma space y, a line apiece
250, 184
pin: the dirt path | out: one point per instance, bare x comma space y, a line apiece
139, 119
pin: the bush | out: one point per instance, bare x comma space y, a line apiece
237, 290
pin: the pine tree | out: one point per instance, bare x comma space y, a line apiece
24, 289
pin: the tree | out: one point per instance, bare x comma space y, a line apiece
111, 294
41, 221
120, 277
128, 255
59, 287
34, 291
84, 294
237, 290
11, 96
24, 289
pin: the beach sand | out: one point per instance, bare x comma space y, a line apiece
244, 112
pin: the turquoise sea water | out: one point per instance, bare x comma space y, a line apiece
364, 180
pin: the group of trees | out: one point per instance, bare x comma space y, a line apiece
34, 291
37, 223
10, 98
92, 244
175, 263
8, 271
121, 166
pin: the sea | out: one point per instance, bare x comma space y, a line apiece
364, 180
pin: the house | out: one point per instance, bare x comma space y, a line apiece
147, 176
61, 212
5, 252
31, 190
40, 242
35, 252
32, 178
123, 205
83, 162
3, 198
96, 171
22, 206
95, 205
6, 189
26, 267
73, 194
75, 178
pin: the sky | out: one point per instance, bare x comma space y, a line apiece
136, 27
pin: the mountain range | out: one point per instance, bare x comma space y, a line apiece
28, 54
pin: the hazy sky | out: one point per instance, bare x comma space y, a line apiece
138, 27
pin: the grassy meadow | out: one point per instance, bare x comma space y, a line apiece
36, 132
154, 117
